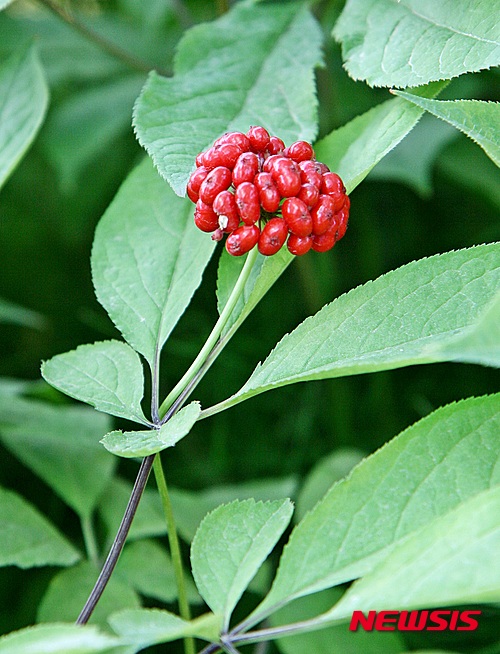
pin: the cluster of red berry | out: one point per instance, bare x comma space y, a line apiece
253, 188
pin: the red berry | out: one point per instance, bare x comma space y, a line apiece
286, 176
242, 239
309, 173
300, 151
299, 245
272, 236
247, 201
225, 206
258, 137
197, 177
205, 217
268, 165
275, 145
309, 194
192, 195
234, 138
269, 195
324, 242
297, 216
219, 179
342, 218
322, 214
247, 166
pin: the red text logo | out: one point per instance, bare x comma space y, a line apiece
414, 620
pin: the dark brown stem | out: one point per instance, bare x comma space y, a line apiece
119, 542
104, 44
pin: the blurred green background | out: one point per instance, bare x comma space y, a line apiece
436, 192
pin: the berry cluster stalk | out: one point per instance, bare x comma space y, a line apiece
169, 407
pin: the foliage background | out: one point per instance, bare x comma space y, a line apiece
436, 192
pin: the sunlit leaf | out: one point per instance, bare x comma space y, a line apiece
108, 375
453, 560
230, 545
430, 469
254, 65
131, 444
405, 317
479, 120
412, 42
148, 259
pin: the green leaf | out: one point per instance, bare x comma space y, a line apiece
230, 545
69, 589
479, 120
332, 640
254, 65
86, 124
412, 42
190, 507
264, 273
427, 471
58, 639
28, 538
481, 342
131, 444
61, 445
23, 102
108, 375
4, 3
453, 560
148, 259
329, 469
150, 626
403, 318
355, 148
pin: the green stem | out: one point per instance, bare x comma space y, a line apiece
175, 550
90, 540
214, 335
109, 47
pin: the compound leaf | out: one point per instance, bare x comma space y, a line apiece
24, 99
108, 375
147, 260
254, 65
412, 42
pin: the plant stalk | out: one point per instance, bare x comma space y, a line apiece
175, 551
214, 336
119, 541
111, 48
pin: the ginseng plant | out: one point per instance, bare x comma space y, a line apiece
414, 525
